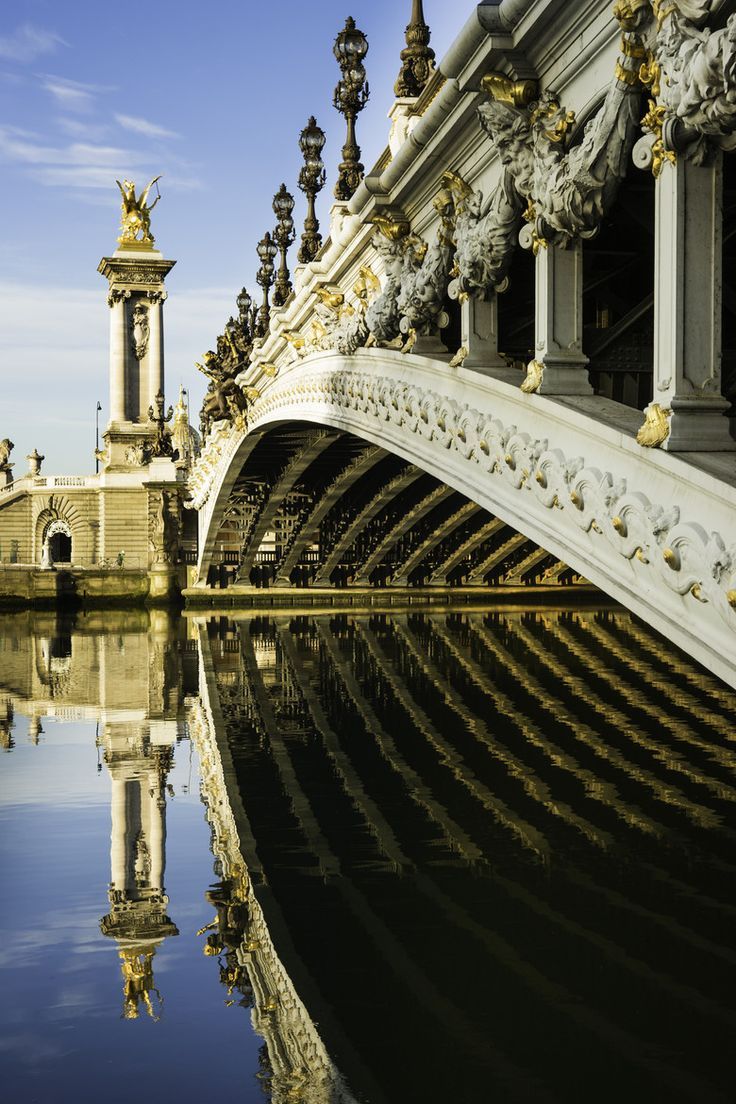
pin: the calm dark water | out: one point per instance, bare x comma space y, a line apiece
448, 857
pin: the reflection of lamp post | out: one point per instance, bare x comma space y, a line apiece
283, 205
311, 180
266, 251
351, 96
97, 437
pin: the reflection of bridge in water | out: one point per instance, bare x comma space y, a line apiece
498, 843
456, 852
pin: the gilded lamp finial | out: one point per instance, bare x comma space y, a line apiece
417, 57
136, 214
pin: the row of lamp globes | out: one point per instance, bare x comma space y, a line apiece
351, 96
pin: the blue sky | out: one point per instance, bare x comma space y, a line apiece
213, 96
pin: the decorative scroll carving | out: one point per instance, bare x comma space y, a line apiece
117, 295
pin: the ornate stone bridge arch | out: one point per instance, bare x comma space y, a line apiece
580, 488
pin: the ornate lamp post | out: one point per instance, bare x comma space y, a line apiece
266, 251
311, 180
417, 58
351, 96
283, 205
247, 312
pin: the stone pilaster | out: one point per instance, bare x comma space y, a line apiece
559, 360
687, 308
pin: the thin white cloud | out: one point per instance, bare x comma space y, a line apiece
77, 128
143, 126
69, 97
28, 43
73, 95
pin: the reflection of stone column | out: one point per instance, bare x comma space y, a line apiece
156, 814
137, 919
118, 351
118, 871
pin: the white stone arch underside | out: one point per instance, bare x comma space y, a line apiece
650, 529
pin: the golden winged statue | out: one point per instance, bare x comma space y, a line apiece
136, 212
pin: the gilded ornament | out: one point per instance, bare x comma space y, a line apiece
731, 598
541, 478
459, 357
631, 13
619, 525
269, 369
394, 229
136, 214
576, 500
671, 558
534, 376
502, 89
656, 427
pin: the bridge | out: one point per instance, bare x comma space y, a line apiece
510, 362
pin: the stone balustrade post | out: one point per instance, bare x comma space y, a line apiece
687, 306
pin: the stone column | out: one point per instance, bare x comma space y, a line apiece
479, 335
155, 347
559, 362
118, 352
687, 309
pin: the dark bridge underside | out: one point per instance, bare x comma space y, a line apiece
321, 507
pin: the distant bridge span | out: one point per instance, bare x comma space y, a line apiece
566, 472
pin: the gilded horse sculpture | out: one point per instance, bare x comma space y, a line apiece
136, 216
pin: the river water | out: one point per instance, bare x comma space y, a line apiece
429, 856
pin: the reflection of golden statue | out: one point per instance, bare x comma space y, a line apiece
136, 217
